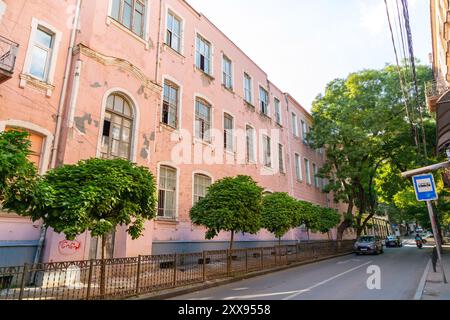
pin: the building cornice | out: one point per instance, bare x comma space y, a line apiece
119, 63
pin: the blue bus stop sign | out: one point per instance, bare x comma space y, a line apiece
425, 187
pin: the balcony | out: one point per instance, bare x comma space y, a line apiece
433, 91
8, 54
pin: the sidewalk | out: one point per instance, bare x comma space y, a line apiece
435, 288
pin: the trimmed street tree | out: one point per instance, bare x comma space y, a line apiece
232, 205
324, 220
279, 213
17, 173
94, 195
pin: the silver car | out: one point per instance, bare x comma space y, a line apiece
368, 245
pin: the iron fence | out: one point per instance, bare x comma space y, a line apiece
127, 277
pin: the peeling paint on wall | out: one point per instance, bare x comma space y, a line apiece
145, 152
96, 85
80, 122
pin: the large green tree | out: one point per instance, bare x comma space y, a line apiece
232, 204
17, 173
363, 123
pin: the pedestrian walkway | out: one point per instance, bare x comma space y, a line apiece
435, 288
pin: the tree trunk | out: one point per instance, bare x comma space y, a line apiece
231, 241
103, 269
279, 241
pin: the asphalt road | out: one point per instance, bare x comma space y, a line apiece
343, 278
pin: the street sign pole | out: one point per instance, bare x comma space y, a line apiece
436, 238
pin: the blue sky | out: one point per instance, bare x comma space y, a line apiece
304, 44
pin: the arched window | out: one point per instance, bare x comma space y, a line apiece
117, 128
201, 185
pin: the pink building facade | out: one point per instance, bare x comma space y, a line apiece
157, 83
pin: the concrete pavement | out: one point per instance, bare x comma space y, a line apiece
435, 288
345, 278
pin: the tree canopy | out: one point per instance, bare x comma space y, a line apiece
363, 123
94, 195
232, 204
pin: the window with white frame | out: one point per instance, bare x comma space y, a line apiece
250, 137
228, 124
130, 14
248, 88
281, 158
202, 120
203, 55
295, 125
117, 128
316, 178
304, 131
167, 192
227, 73
267, 151
298, 167
264, 101
308, 172
201, 185
170, 104
277, 111
41, 54
173, 33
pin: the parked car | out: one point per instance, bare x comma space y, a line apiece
393, 242
419, 229
368, 244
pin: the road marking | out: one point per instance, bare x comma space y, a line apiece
347, 261
296, 292
325, 281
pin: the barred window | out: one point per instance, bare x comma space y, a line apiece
264, 101
203, 55
227, 76
250, 137
267, 152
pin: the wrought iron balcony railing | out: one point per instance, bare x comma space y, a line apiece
8, 54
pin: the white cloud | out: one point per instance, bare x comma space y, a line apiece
373, 16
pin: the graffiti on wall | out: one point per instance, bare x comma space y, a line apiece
68, 248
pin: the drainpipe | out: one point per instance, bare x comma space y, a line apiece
158, 49
37, 256
289, 129
65, 85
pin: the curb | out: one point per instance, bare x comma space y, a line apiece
170, 293
422, 283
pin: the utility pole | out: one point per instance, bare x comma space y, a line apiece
436, 238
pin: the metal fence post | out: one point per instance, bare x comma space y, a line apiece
174, 270
22, 282
91, 267
204, 267
228, 262
262, 258
246, 260
138, 275
296, 252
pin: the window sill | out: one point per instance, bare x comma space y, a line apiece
30, 81
210, 77
266, 116
205, 143
168, 128
112, 21
162, 220
250, 105
230, 90
168, 48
